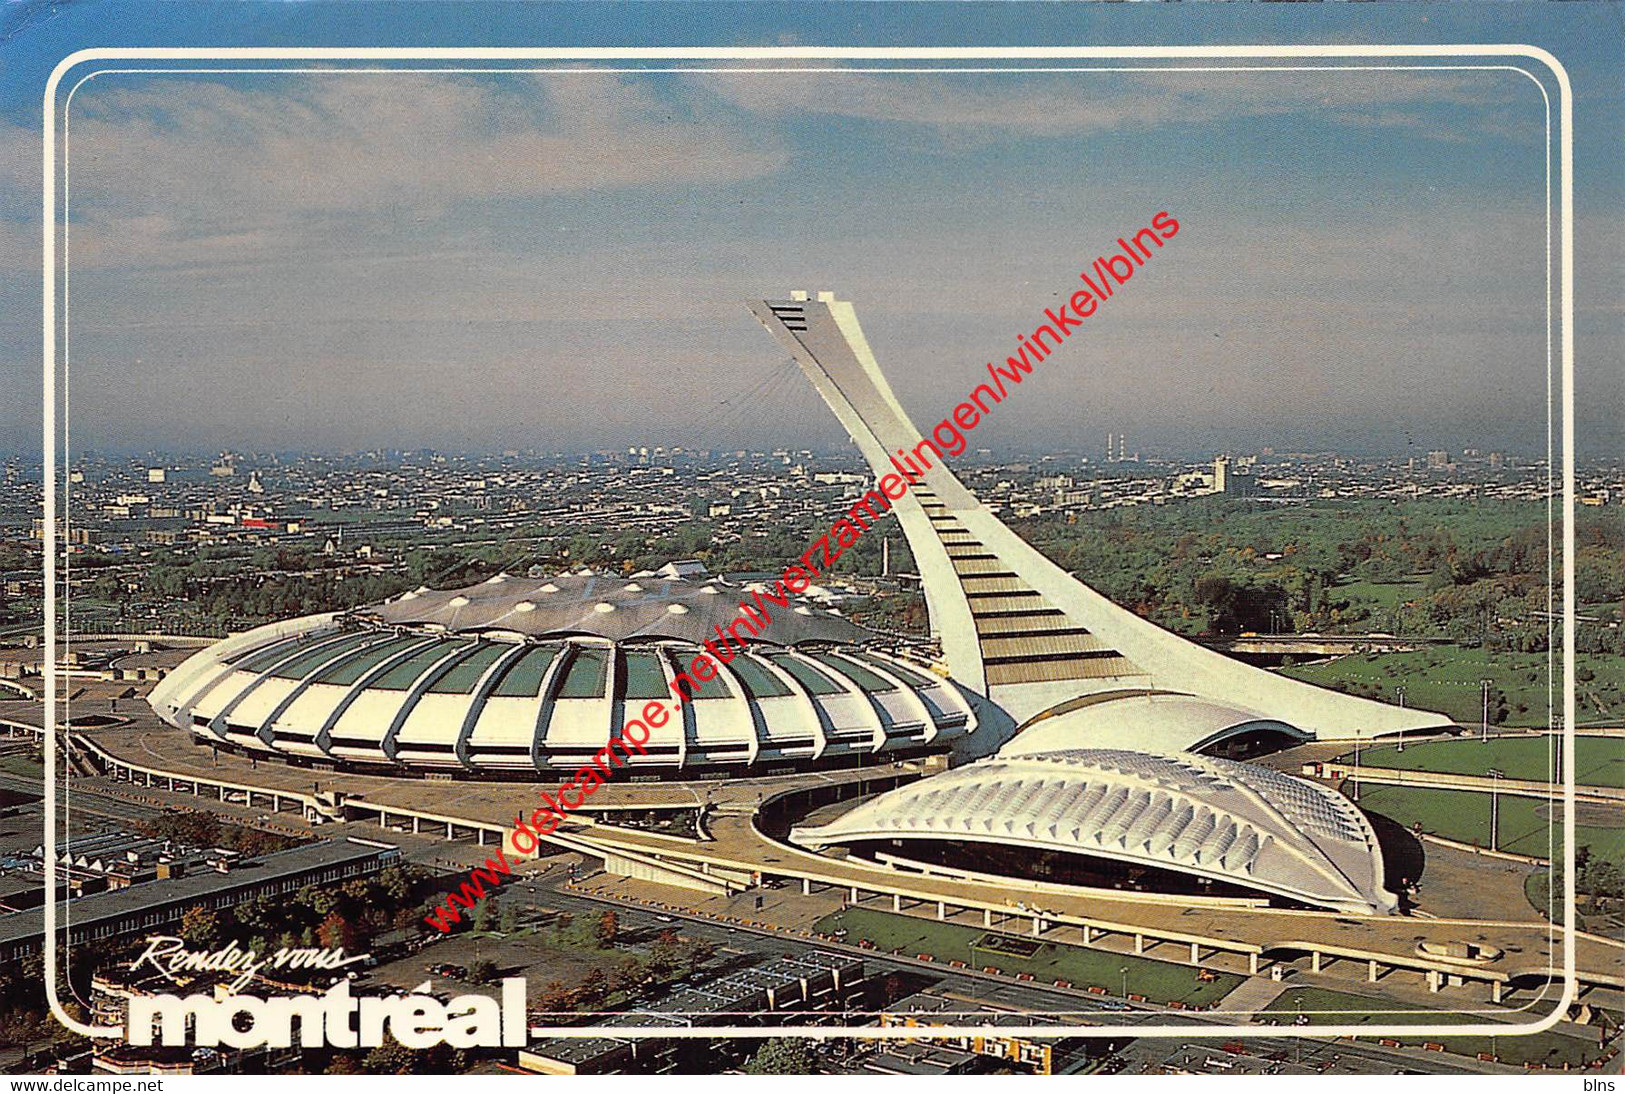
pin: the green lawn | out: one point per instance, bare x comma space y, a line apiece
1446, 679
1600, 760
1465, 815
19, 763
1380, 594
1605, 916
1324, 1007
1157, 981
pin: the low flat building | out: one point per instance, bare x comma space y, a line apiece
155, 906
806, 989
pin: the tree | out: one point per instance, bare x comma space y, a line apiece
664, 957
482, 971
395, 884
556, 998
200, 928
325, 900
335, 932
254, 914
627, 977
699, 952
484, 913
393, 1058
389, 1058
594, 986
1442, 577
781, 1056
609, 927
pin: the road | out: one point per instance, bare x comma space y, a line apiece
83, 798
984, 994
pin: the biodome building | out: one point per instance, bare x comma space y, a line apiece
1178, 823
516, 676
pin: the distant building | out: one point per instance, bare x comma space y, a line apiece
682, 569
1242, 486
1221, 474
1438, 460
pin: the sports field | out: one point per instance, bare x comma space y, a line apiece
1157, 981
1446, 679
1324, 1007
1600, 761
1465, 815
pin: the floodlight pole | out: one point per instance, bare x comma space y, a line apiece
1356, 769
1495, 807
1484, 733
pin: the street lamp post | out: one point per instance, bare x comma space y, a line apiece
1484, 732
1496, 775
1124, 971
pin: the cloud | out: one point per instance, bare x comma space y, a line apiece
977, 108
167, 170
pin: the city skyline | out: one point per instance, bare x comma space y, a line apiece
560, 260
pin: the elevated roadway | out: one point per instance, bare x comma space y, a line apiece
1529, 949
737, 853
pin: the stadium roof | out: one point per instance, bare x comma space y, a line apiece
1237, 823
1153, 721
616, 608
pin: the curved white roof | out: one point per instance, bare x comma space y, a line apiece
608, 607
1150, 721
361, 693
1232, 822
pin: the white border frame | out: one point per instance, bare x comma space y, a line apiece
825, 53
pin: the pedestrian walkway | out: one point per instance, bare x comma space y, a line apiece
1252, 996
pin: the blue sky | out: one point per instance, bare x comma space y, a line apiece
559, 260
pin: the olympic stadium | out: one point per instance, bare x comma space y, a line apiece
532, 675
1074, 744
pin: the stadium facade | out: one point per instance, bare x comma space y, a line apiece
518, 676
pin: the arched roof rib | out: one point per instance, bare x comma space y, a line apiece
365, 692
1199, 815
